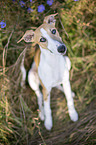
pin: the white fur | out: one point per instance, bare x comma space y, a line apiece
23, 75
47, 112
53, 70
51, 73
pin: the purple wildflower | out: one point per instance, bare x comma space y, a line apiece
76, 0
30, 0
3, 24
22, 3
29, 10
41, 8
49, 2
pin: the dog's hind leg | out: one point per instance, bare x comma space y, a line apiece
59, 87
34, 83
62, 90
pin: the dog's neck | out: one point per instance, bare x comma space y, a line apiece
49, 58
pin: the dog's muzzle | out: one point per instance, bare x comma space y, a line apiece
62, 49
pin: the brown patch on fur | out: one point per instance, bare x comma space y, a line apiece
37, 57
44, 91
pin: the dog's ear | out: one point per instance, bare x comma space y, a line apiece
50, 19
28, 36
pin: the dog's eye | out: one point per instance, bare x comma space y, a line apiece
53, 31
42, 39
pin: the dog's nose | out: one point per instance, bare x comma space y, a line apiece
62, 49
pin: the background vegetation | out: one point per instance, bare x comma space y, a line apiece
19, 121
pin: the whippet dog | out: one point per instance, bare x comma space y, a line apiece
50, 68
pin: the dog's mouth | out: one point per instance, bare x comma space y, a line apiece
62, 49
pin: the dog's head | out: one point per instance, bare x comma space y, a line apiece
46, 36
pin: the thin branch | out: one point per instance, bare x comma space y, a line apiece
5, 52
63, 26
7, 68
6, 46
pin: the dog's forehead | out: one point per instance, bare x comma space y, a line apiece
45, 30
45, 26
38, 32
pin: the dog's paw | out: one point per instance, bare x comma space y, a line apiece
48, 123
73, 115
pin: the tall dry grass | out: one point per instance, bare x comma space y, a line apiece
19, 121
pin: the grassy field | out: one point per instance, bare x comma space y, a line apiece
19, 120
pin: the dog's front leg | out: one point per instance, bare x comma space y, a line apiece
47, 110
68, 93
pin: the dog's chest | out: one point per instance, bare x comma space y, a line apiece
51, 69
